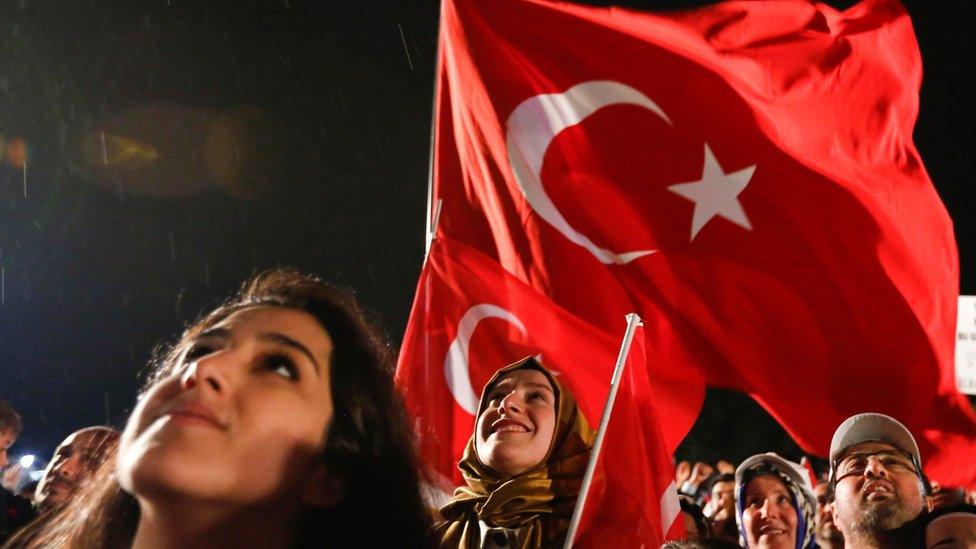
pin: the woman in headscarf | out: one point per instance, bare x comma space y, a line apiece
774, 503
522, 467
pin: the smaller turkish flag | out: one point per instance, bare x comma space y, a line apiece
632, 501
469, 319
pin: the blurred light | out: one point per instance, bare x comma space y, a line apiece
168, 149
27, 461
16, 152
118, 150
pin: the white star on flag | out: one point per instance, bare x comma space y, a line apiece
716, 193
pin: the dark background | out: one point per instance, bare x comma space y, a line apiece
328, 107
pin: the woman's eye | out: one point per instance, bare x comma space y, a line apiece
538, 395
196, 351
281, 365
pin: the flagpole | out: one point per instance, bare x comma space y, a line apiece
433, 208
633, 322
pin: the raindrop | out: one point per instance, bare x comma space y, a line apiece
104, 149
172, 247
179, 301
406, 50
372, 281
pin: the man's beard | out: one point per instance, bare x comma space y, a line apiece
882, 516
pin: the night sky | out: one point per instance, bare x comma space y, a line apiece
173, 149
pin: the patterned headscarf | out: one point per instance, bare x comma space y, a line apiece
797, 481
538, 502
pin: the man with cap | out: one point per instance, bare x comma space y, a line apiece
876, 481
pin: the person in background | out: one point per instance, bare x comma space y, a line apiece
523, 465
951, 527
828, 536
273, 422
876, 482
720, 510
696, 525
944, 496
696, 483
74, 461
15, 511
774, 503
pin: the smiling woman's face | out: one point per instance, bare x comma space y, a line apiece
242, 420
515, 429
768, 515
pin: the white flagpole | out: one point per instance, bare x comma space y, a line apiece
433, 206
633, 322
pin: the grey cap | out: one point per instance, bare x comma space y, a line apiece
872, 427
795, 471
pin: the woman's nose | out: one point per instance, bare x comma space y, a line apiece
769, 509
206, 373
510, 403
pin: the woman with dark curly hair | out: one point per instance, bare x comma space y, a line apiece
273, 422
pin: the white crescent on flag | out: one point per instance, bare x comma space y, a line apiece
536, 122
456, 371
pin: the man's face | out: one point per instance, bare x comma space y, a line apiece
882, 494
826, 529
73, 461
7, 440
723, 497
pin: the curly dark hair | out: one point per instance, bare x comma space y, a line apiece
9, 419
369, 447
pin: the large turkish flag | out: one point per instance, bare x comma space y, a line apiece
742, 176
470, 317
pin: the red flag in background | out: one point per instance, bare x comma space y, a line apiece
469, 319
742, 175
633, 501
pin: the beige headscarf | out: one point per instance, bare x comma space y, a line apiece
538, 502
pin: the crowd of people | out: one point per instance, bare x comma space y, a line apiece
874, 494
274, 422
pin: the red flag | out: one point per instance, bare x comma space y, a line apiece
469, 319
742, 175
633, 501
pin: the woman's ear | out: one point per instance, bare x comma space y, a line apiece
322, 489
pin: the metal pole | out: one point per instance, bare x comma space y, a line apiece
633, 321
431, 220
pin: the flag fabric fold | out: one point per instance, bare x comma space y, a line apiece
471, 318
633, 501
742, 176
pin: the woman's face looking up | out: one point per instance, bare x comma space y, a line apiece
768, 516
241, 421
515, 429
